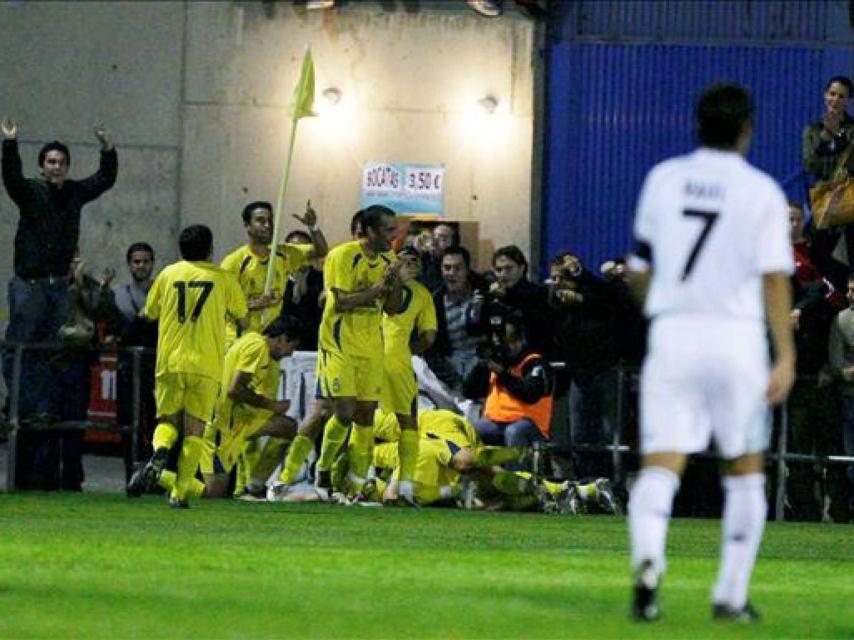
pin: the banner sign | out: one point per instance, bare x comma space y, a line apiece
409, 189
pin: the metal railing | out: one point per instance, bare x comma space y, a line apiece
296, 387
17, 424
780, 456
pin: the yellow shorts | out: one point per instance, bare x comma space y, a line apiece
400, 389
245, 423
343, 376
431, 471
194, 395
386, 427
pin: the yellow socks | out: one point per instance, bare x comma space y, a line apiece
408, 453
165, 436
298, 453
360, 454
513, 483
587, 491
488, 456
196, 488
188, 464
246, 461
407, 449
334, 435
269, 459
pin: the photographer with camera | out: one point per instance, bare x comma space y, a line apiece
586, 309
512, 289
516, 382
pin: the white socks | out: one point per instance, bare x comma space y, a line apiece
649, 514
745, 508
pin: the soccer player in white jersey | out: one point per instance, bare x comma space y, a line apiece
712, 261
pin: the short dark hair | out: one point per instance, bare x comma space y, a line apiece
458, 250
139, 246
56, 145
287, 325
196, 242
356, 223
794, 204
373, 215
511, 252
845, 81
563, 255
298, 237
249, 208
722, 111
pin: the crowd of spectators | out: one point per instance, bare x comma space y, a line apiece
544, 359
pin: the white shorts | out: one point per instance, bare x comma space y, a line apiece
705, 379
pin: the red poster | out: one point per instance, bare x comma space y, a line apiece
102, 401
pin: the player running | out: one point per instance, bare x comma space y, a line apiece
191, 300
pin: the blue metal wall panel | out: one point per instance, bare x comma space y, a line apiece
756, 20
615, 110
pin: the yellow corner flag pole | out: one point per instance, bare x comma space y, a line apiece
302, 105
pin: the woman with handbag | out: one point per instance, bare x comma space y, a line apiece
825, 140
828, 154
90, 302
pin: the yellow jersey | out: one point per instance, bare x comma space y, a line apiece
357, 332
432, 424
417, 312
248, 354
191, 301
251, 272
447, 425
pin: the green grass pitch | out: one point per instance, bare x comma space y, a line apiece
99, 566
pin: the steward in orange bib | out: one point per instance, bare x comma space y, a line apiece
517, 385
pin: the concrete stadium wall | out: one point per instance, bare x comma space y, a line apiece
196, 96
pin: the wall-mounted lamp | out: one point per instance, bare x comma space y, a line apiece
486, 8
319, 4
488, 104
332, 95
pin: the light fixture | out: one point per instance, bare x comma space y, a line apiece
332, 95
319, 4
488, 104
486, 8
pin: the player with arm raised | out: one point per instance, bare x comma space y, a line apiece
249, 264
712, 261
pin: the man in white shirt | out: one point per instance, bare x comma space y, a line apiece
712, 261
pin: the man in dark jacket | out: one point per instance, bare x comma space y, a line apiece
45, 241
584, 307
513, 289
